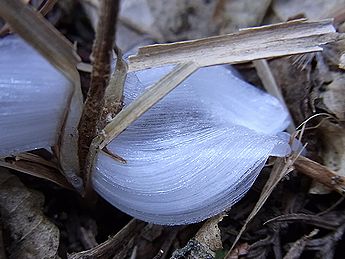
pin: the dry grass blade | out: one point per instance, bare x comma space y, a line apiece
281, 39
48, 5
114, 244
39, 171
6, 28
40, 34
144, 102
52, 45
114, 92
280, 169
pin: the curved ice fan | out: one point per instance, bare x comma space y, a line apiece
196, 152
191, 156
33, 98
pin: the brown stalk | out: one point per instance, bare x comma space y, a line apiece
102, 52
320, 173
293, 37
113, 244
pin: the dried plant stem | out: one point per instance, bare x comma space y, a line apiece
113, 244
144, 102
321, 174
102, 51
39, 171
40, 34
114, 92
280, 169
47, 6
269, 41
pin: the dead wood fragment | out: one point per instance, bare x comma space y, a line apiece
269, 41
31, 234
102, 53
320, 173
205, 243
47, 6
114, 244
40, 34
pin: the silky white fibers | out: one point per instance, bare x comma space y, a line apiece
196, 152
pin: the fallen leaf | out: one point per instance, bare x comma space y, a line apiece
31, 234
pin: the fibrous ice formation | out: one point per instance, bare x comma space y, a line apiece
191, 156
33, 98
196, 152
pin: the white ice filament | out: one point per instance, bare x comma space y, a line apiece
33, 98
196, 152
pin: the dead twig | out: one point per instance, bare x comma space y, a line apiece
320, 173
102, 53
144, 102
114, 244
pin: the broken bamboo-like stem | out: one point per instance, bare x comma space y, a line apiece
294, 37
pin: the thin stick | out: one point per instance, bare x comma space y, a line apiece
48, 5
145, 101
102, 51
269, 41
114, 92
40, 34
113, 244
321, 174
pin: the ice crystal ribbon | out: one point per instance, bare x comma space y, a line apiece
33, 98
196, 152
